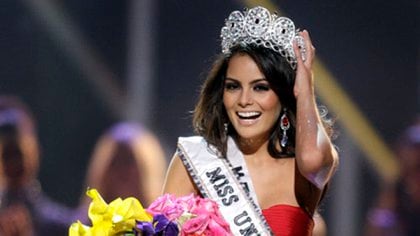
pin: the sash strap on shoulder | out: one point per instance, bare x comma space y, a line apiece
217, 179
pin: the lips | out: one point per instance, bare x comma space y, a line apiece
248, 115
248, 118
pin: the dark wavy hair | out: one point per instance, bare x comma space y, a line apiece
210, 117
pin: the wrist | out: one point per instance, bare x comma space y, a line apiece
302, 93
306, 90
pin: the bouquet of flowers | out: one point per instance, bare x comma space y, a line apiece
167, 215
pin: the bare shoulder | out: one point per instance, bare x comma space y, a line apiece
177, 180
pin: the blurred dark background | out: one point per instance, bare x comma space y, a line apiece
75, 64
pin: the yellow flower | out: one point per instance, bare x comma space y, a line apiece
117, 217
78, 228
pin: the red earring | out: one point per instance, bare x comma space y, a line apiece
284, 125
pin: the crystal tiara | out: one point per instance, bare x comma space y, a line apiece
257, 26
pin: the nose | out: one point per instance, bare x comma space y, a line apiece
245, 98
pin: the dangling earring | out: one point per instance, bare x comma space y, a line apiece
226, 126
284, 125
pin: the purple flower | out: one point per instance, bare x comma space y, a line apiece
165, 226
146, 228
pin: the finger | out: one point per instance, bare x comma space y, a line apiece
298, 54
310, 49
308, 41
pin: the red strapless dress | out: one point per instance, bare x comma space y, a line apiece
286, 220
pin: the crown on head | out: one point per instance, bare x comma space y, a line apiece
257, 26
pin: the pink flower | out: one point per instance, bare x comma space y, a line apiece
187, 202
205, 225
218, 226
205, 206
208, 222
195, 226
195, 216
166, 205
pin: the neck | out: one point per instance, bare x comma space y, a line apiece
250, 146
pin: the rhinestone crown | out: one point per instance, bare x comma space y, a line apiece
257, 26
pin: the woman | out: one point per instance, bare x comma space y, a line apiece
25, 209
263, 152
128, 161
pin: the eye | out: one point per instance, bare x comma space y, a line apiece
262, 87
231, 86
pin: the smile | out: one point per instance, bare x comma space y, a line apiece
248, 115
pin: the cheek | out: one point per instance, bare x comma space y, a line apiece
272, 103
274, 108
227, 102
277, 112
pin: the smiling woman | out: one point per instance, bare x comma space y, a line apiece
251, 105
263, 152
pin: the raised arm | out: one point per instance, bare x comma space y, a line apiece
315, 155
177, 180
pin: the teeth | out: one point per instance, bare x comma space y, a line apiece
248, 114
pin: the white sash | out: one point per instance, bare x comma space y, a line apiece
238, 166
215, 178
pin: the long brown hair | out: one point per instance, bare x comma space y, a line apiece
210, 116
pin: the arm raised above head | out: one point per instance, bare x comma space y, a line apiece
316, 156
177, 180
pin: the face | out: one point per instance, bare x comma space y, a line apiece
121, 179
251, 104
18, 156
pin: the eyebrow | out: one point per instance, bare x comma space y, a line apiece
252, 82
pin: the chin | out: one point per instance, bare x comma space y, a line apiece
252, 135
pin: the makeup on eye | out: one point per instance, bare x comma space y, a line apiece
231, 85
261, 86
257, 85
